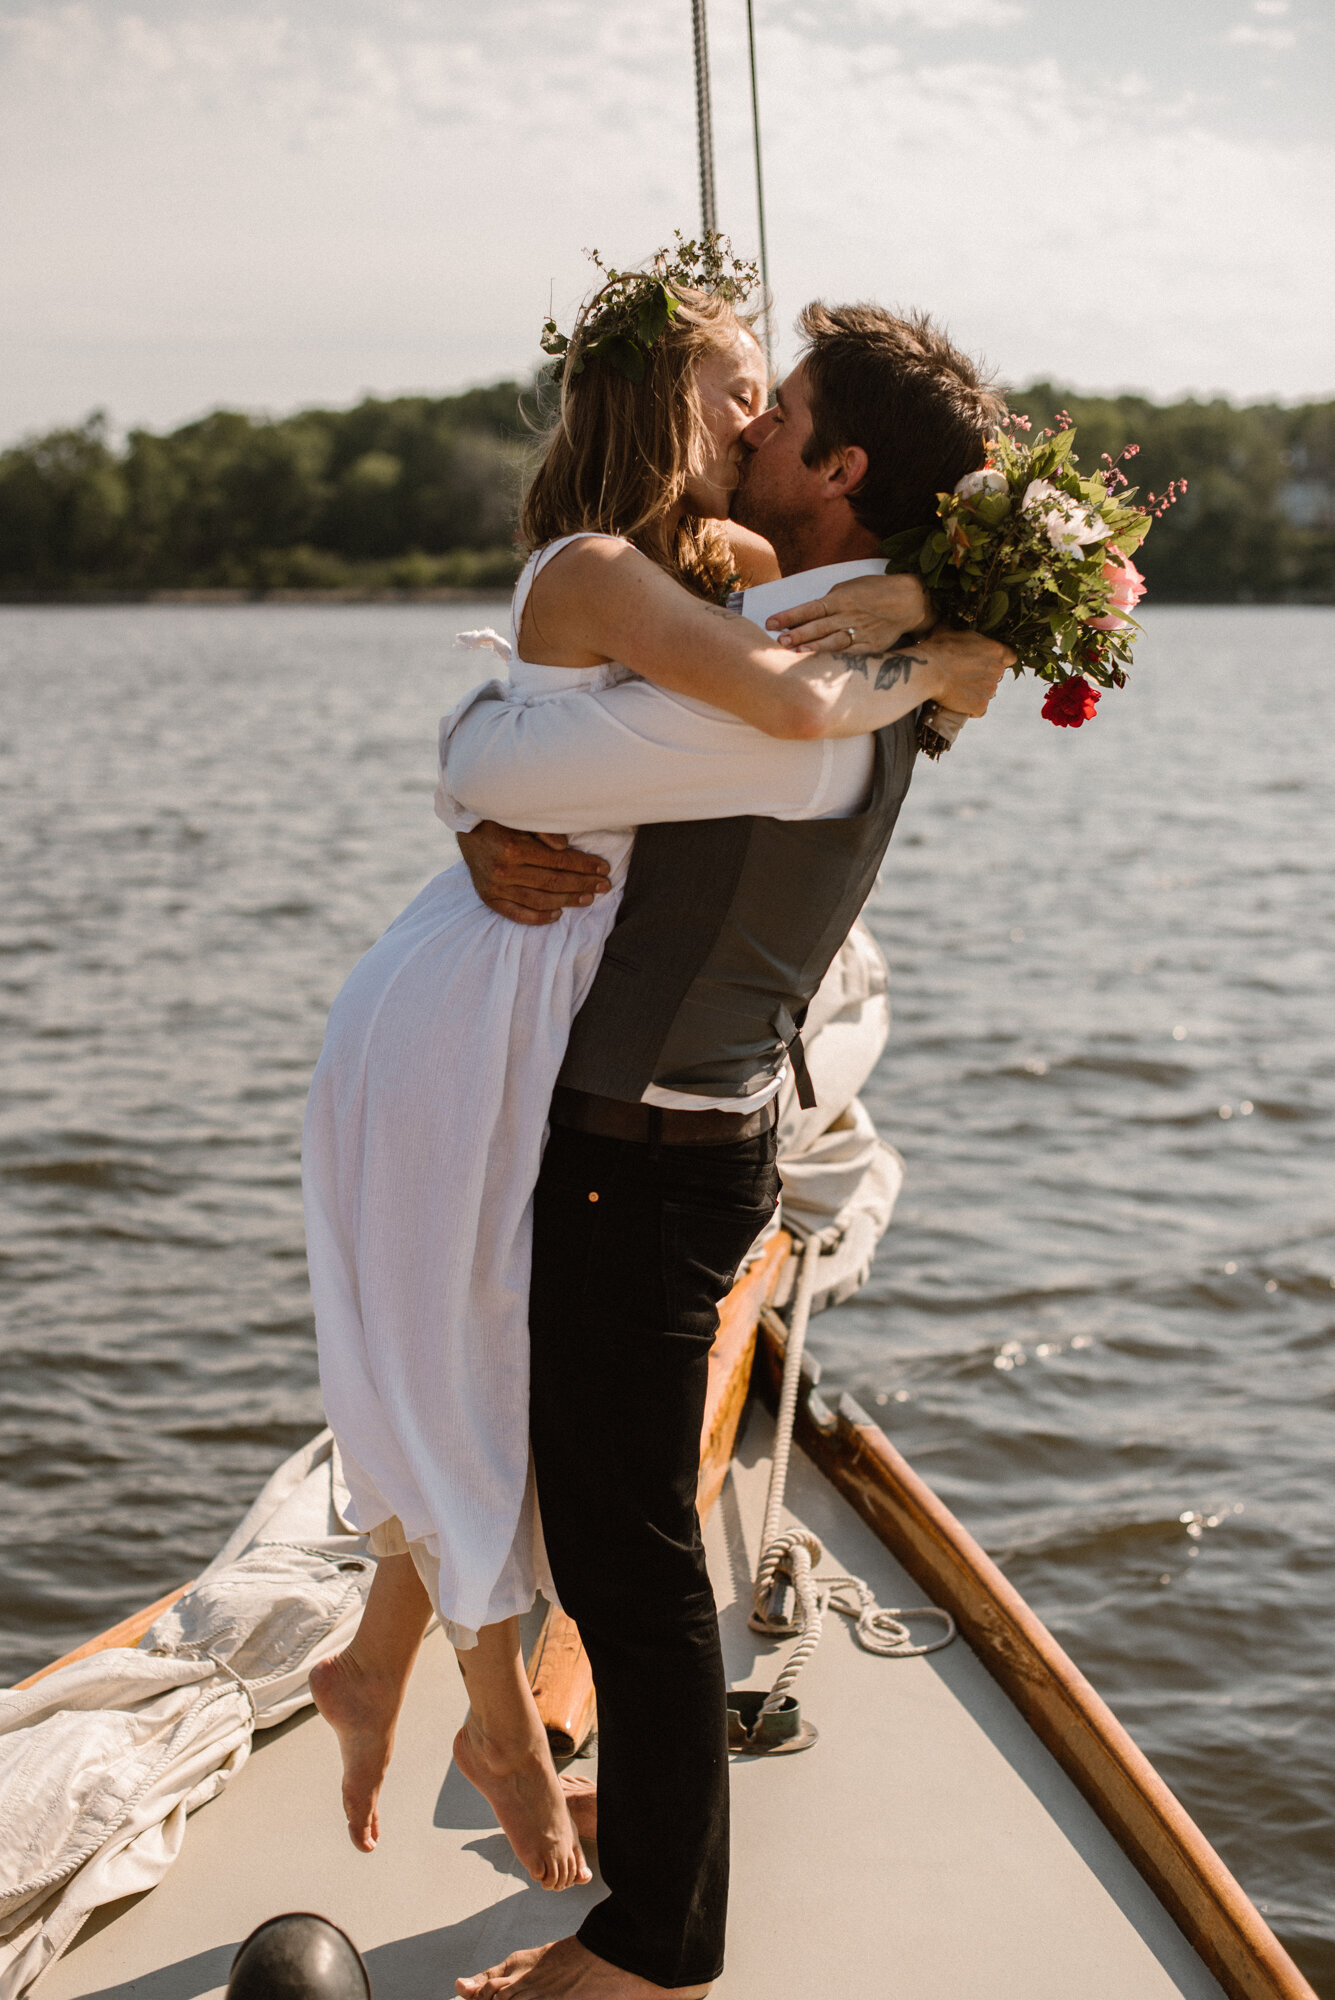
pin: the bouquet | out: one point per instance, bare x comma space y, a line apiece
1034, 554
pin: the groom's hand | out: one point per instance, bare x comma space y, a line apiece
971, 668
530, 877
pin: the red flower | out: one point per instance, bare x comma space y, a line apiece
1071, 703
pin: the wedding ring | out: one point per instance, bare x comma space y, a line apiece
851, 633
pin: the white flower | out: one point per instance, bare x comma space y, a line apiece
1067, 525
980, 482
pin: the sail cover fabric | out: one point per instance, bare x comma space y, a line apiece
838, 1173
101, 1761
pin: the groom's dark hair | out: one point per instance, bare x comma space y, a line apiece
900, 389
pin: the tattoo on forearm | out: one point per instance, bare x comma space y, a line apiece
890, 668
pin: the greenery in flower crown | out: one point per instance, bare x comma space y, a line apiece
1035, 554
632, 309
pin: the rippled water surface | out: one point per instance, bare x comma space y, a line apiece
1104, 1320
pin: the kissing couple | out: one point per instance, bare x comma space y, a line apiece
541, 1135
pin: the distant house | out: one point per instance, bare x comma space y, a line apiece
1307, 502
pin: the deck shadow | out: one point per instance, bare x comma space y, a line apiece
183, 1980
461, 1806
422, 1967
426, 1966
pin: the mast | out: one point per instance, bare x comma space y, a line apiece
760, 184
704, 119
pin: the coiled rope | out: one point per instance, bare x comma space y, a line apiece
794, 1554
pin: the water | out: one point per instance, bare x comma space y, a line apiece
1102, 1325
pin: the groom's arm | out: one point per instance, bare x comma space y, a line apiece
530, 877
620, 757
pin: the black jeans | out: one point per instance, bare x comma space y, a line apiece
623, 1313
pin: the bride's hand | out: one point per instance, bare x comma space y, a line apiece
868, 614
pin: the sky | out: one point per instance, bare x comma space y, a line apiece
274, 206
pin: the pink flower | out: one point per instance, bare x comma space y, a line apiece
1127, 587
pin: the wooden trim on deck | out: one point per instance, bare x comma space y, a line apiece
1211, 1909
730, 1360
128, 1633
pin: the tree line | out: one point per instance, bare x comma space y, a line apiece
420, 492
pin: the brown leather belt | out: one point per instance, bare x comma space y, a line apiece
610, 1118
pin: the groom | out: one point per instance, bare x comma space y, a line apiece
660, 1168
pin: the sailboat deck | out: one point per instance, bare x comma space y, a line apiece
928, 1845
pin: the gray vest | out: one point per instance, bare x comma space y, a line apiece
726, 929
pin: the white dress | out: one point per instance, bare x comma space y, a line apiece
424, 1135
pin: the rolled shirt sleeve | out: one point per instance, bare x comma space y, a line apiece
629, 755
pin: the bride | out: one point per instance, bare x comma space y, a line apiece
427, 1113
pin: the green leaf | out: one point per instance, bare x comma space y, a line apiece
657, 310
902, 551
623, 355
998, 604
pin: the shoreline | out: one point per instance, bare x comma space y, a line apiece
229, 594
482, 593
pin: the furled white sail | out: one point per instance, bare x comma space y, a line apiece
101, 1761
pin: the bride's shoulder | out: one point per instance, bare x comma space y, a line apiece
752, 557
567, 605
566, 570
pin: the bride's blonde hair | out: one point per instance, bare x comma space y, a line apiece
619, 453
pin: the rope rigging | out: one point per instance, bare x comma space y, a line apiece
791, 1557
760, 186
704, 119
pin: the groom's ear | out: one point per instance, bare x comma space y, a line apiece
845, 471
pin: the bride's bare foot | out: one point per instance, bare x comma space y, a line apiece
361, 1708
520, 1784
582, 1799
565, 1971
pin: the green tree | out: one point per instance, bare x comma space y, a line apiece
1239, 534
63, 504
416, 492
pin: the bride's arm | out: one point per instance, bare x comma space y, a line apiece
605, 600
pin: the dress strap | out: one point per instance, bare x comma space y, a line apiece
538, 561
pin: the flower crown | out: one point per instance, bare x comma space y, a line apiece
632, 309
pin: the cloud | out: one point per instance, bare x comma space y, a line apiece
868, 20
277, 203
1245, 34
